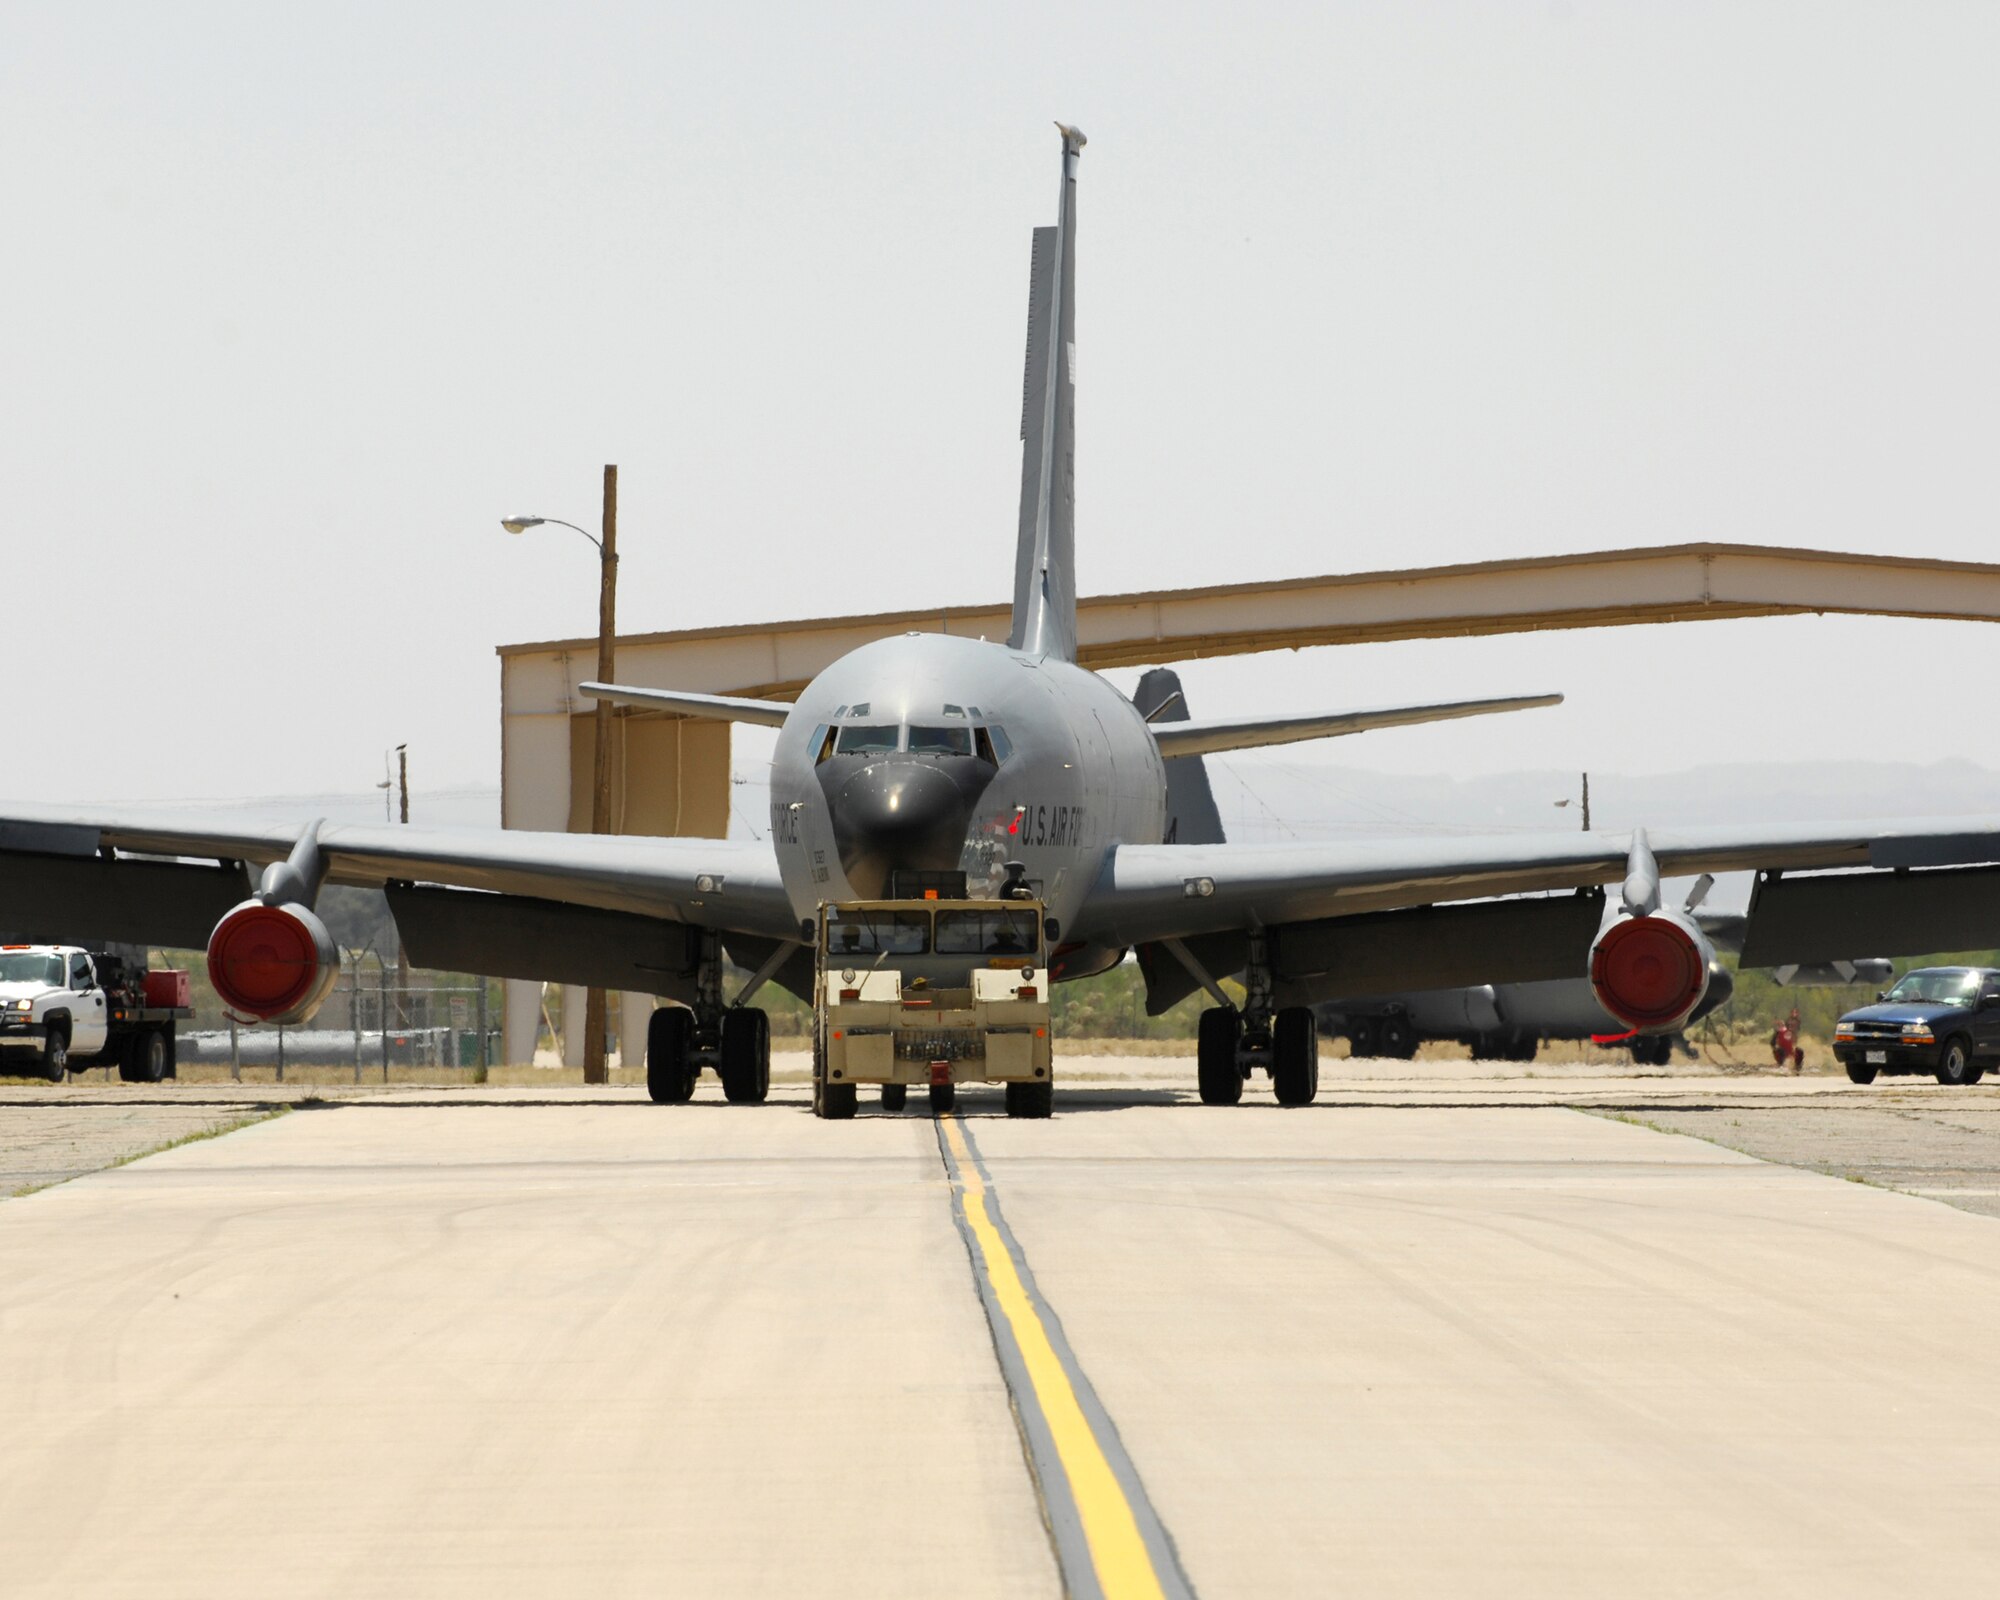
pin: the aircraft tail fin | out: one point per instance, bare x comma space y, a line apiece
1191, 814
1045, 556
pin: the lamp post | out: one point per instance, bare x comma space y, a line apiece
600, 787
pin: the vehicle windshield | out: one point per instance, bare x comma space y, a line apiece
1949, 986
868, 933
31, 967
986, 933
868, 738
941, 741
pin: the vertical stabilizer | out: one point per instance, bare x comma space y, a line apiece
1045, 558
1191, 814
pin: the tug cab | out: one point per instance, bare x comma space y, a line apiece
931, 992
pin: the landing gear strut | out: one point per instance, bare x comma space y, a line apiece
1232, 1043
735, 1040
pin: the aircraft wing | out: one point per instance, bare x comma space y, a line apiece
1389, 914
617, 911
1179, 738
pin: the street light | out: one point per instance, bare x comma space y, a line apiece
600, 788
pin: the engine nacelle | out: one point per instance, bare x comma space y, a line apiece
1651, 971
272, 963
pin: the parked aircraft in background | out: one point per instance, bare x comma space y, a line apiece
1006, 762
1511, 1021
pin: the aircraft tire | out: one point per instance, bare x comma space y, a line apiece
1294, 1057
1856, 1073
746, 1055
1217, 1073
895, 1096
1653, 1051
943, 1096
1398, 1039
1031, 1099
1362, 1040
670, 1068
1523, 1047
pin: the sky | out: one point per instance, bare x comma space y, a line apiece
299, 302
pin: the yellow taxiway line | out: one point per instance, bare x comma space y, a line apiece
1122, 1561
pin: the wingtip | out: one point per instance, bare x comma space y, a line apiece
1073, 139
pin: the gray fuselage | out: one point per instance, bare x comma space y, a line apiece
1039, 761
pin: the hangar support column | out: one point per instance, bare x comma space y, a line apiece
669, 776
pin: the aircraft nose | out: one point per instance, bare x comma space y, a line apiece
894, 814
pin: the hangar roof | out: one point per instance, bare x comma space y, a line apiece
1606, 588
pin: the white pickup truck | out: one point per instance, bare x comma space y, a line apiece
64, 1007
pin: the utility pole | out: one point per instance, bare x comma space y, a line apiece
1586, 803
402, 960
594, 1070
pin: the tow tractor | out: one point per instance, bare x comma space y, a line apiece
63, 1007
931, 993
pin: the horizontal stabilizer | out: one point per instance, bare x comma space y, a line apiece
719, 707
1203, 738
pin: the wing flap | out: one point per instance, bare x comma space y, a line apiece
1800, 921
117, 901
517, 936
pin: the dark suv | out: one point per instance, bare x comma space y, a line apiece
1940, 1020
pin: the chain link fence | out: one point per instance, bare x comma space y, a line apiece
368, 1023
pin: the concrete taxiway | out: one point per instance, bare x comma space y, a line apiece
519, 1343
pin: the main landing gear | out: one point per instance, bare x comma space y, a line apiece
733, 1039
1233, 1043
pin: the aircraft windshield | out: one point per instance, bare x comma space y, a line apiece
986, 933
1948, 986
31, 968
868, 933
941, 741
869, 738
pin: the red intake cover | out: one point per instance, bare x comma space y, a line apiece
262, 960
1647, 972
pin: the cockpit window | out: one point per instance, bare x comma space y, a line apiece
986, 933
869, 738
822, 743
941, 741
1001, 748
954, 711
867, 933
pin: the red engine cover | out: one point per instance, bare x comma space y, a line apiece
1647, 972
271, 962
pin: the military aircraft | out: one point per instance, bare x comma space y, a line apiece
1008, 763
1510, 1021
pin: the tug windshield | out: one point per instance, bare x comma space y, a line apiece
986, 932
867, 933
